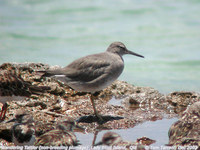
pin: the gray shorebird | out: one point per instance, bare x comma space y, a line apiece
93, 73
63, 135
14, 88
23, 131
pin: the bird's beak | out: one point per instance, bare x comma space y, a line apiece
133, 53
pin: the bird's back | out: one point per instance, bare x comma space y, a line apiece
90, 73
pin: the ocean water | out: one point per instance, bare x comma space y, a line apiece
167, 33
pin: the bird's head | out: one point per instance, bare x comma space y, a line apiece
120, 49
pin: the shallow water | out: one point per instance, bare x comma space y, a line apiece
165, 32
149, 129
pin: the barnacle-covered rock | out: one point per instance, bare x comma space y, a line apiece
180, 100
186, 131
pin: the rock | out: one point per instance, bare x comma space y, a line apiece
180, 100
145, 141
186, 131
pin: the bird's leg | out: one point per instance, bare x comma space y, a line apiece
3, 112
94, 108
93, 105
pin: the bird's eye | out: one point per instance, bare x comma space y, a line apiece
122, 47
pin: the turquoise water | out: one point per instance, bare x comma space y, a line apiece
167, 33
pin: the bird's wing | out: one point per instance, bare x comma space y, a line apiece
87, 68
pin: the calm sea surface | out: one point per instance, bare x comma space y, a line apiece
166, 32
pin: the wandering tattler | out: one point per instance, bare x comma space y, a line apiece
95, 72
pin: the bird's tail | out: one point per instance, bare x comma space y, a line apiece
49, 73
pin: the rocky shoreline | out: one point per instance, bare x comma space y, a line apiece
137, 105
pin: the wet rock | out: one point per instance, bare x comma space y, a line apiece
145, 96
147, 104
180, 100
186, 131
132, 102
145, 141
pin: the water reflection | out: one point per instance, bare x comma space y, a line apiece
157, 130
